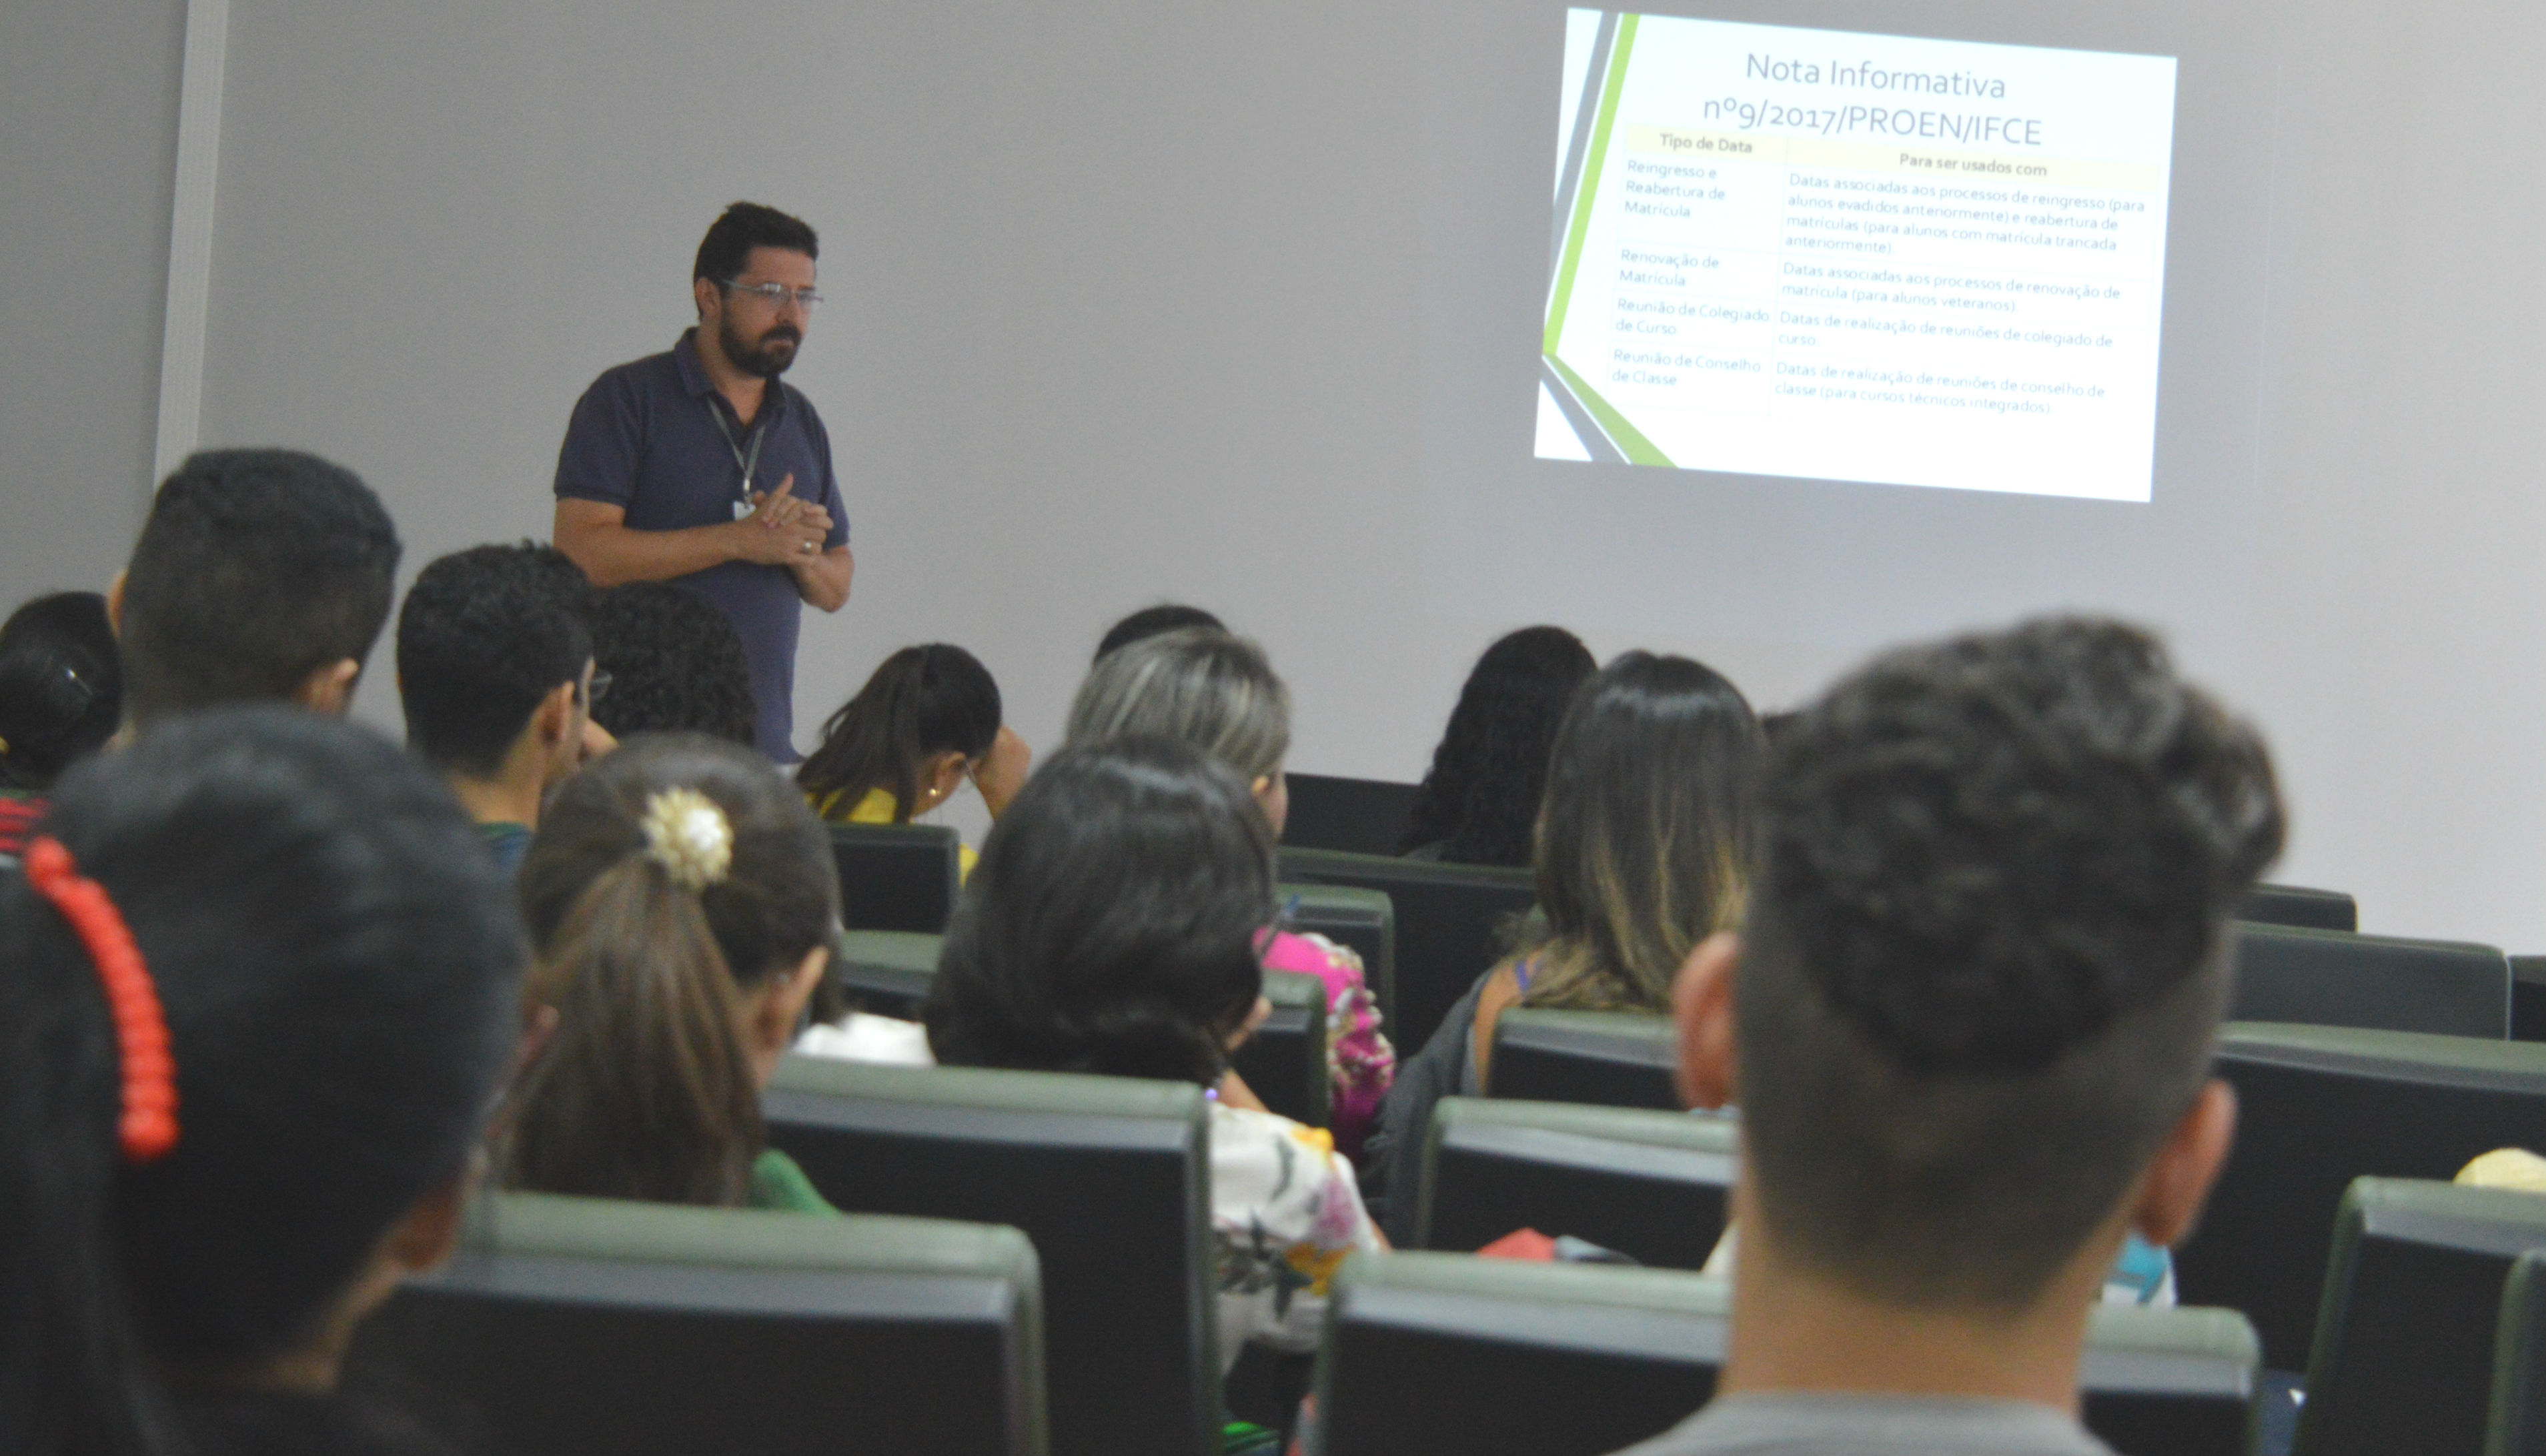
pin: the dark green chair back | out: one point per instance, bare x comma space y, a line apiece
2404, 1355
2516, 1424
1447, 1352
888, 971
1448, 925
1607, 1059
1364, 920
2528, 998
2379, 983
2294, 905
2319, 1107
570, 1326
1650, 1185
1357, 815
898, 877
1109, 1177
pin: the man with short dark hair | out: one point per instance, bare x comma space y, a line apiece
700, 466
1969, 1024
494, 667
260, 574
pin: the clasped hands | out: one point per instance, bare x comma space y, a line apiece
783, 530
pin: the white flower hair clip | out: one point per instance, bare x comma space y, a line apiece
689, 837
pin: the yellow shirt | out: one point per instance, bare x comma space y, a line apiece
880, 808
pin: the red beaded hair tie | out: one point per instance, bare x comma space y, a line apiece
149, 1129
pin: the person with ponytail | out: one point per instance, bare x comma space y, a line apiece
682, 907
927, 720
1115, 927
261, 992
62, 695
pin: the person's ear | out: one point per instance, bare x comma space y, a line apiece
554, 720
941, 776
2177, 1181
1710, 1071
782, 1006
704, 294
329, 690
115, 604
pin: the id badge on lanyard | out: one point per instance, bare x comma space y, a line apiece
747, 463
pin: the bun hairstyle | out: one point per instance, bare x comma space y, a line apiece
919, 703
1112, 924
668, 883
61, 687
338, 969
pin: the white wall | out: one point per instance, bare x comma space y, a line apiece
1127, 307
88, 148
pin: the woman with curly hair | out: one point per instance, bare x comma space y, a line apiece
1478, 803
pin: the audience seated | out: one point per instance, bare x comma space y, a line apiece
681, 904
1478, 801
674, 662
1217, 693
1112, 928
61, 694
1641, 843
494, 669
290, 921
1151, 622
260, 576
927, 720
1969, 1024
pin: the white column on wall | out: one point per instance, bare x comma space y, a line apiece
190, 236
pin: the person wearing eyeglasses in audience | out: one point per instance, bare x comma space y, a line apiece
61, 693
699, 465
495, 673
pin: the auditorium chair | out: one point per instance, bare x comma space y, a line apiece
1650, 1185
1362, 921
2296, 904
1109, 1177
2404, 1355
2528, 998
896, 876
888, 971
2516, 1423
1449, 1352
2319, 1107
570, 1326
1358, 816
2380, 983
1450, 921
1608, 1059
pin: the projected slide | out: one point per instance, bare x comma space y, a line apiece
1855, 257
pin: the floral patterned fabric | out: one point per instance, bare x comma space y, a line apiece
1284, 1214
1359, 1058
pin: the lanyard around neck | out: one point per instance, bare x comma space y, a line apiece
748, 463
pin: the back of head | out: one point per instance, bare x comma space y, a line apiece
919, 702
255, 570
61, 687
1197, 685
1151, 622
1986, 953
1479, 798
1645, 836
675, 664
667, 882
726, 250
338, 967
1112, 924
485, 636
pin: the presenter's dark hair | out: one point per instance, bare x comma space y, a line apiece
1644, 834
255, 569
1112, 924
919, 703
61, 687
1479, 798
339, 966
1151, 622
726, 249
646, 1090
1987, 952
484, 635
675, 664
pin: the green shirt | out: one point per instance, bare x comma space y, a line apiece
776, 1182
507, 841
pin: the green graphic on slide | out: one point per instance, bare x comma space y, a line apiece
1630, 441
1617, 80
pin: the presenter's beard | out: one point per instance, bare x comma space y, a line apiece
768, 358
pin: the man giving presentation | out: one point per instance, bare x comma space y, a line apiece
700, 467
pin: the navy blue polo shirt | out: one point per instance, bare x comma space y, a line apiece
655, 439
